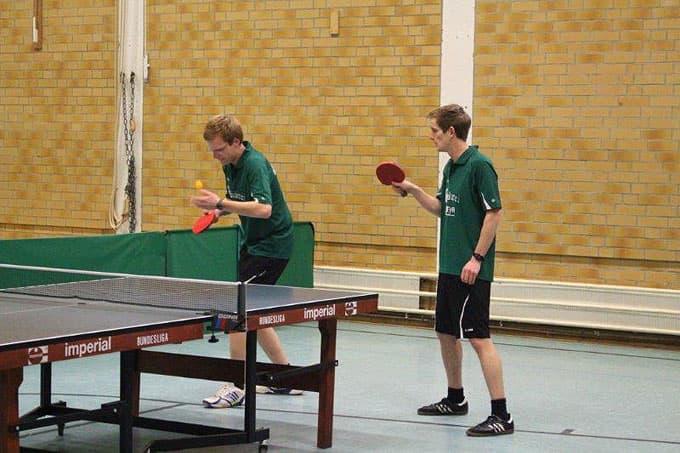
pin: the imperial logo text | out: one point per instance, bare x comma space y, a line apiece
97, 346
321, 312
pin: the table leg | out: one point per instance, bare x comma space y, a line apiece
324, 436
10, 380
250, 382
128, 369
135, 382
45, 384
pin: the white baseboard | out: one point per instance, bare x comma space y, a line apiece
400, 290
622, 308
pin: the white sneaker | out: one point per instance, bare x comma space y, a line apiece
264, 390
226, 396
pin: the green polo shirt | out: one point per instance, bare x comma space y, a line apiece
253, 178
468, 189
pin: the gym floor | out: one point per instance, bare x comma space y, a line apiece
564, 396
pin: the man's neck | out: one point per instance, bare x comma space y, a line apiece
242, 149
457, 150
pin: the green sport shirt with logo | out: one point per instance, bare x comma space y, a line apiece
252, 178
468, 189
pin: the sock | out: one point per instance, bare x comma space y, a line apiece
456, 395
499, 409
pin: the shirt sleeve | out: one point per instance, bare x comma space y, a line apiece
259, 179
487, 186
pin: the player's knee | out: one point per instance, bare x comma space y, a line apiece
481, 345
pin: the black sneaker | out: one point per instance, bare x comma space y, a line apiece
445, 407
492, 426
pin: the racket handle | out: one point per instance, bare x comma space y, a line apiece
403, 193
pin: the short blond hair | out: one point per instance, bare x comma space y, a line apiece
224, 126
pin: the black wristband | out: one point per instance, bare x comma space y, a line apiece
219, 205
478, 257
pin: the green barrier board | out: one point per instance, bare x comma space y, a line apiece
300, 269
211, 255
138, 253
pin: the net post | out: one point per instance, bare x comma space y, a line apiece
241, 302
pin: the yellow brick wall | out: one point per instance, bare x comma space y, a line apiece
576, 104
325, 109
57, 118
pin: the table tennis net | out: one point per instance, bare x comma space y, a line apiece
154, 291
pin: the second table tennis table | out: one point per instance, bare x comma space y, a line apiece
48, 323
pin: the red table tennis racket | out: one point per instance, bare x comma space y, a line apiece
204, 222
389, 172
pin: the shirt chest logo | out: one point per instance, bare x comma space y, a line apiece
451, 200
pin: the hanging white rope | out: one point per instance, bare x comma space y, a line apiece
124, 192
127, 107
118, 212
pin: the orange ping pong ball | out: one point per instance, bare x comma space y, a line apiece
198, 184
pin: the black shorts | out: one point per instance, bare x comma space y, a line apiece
462, 310
263, 270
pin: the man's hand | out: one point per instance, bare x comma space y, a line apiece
470, 271
206, 200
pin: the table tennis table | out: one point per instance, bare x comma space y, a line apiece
46, 323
